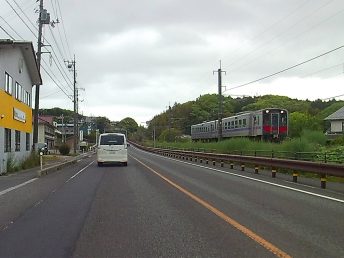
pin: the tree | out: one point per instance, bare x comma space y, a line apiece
102, 123
128, 124
298, 122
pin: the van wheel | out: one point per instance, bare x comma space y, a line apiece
125, 164
100, 164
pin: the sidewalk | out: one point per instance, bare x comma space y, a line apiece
15, 178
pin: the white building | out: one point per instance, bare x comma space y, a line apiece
18, 73
337, 123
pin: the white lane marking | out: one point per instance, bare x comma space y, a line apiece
17, 186
253, 179
79, 172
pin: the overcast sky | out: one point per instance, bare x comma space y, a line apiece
134, 58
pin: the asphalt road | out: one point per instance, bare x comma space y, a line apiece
161, 207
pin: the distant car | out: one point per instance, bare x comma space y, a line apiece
42, 147
112, 148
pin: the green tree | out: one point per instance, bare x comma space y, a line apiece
298, 122
169, 135
128, 124
102, 123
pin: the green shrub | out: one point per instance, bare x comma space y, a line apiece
31, 161
11, 163
315, 137
64, 149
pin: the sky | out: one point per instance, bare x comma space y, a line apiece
135, 58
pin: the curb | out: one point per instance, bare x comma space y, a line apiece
57, 167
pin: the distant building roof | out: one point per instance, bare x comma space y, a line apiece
29, 55
338, 115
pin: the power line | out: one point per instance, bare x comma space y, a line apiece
334, 97
55, 75
6, 32
284, 32
64, 30
20, 18
11, 29
56, 83
286, 69
58, 64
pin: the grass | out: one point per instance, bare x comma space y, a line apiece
310, 146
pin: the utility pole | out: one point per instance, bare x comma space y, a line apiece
220, 114
71, 65
43, 18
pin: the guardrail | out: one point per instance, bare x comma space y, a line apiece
326, 157
322, 169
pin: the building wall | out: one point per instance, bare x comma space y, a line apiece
12, 62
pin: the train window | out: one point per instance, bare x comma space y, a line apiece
240, 123
236, 123
283, 118
232, 124
226, 126
244, 122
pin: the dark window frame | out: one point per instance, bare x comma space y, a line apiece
7, 139
27, 141
17, 139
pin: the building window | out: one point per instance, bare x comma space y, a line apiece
17, 140
7, 140
19, 92
27, 99
8, 83
27, 141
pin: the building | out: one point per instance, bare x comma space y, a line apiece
18, 74
337, 123
46, 131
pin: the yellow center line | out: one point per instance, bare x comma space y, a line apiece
266, 244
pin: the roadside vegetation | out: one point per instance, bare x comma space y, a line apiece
30, 162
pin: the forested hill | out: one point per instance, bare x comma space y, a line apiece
302, 113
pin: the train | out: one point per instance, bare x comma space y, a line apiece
269, 124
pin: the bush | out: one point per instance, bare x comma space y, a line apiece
11, 163
31, 161
64, 149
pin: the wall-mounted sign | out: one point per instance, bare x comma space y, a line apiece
19, 115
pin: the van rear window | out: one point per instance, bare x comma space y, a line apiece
112, 140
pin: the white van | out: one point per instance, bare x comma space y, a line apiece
112, 148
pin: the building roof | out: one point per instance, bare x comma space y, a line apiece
338, 115
29, 55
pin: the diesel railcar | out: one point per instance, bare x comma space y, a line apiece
270, 124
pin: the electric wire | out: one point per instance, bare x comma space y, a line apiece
57, 65
286, 69
6, 32
244, 64
58, 29
11, 29
266, 30
333, 97
64, 30
68, 96
20, 18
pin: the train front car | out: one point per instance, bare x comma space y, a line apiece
275, 124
